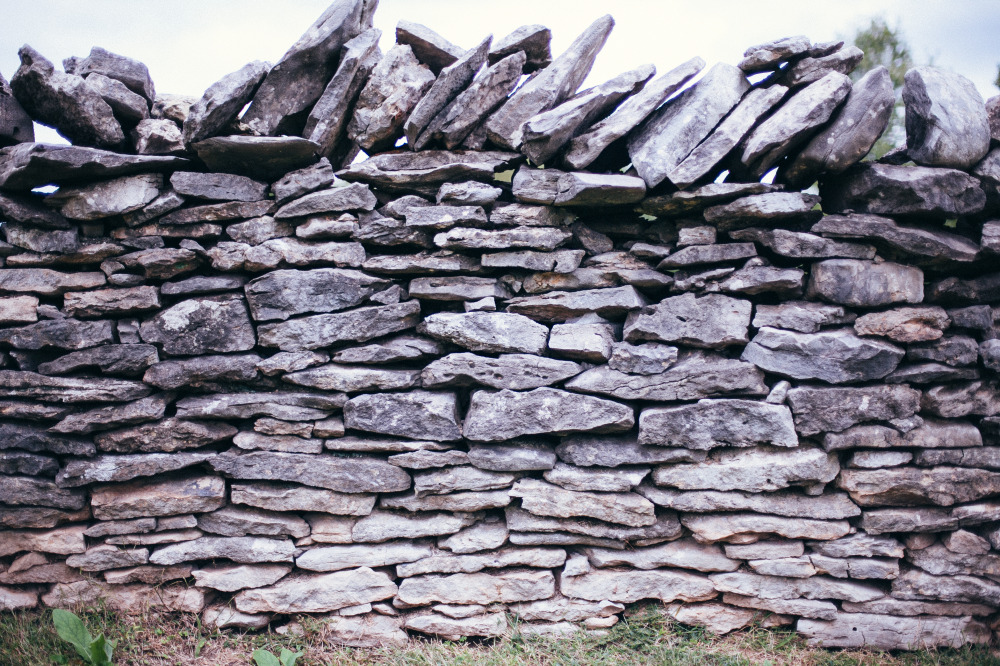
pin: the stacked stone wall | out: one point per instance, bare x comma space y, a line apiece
250, 372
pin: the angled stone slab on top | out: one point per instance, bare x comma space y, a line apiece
297, 80
585, 148
843, 60
261, 157
550, 87
726, 136
222, 101
545, 134
855, 128
65, 102
946, 120
332, 111
26, 166
769, 55
430, 48
672, 132
15, 123
533, 40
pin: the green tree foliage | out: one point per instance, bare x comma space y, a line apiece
886, 47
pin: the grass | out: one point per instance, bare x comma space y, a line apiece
644, 637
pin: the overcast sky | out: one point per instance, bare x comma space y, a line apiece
189, 44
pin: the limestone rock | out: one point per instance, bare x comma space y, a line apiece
437, 482
552, 86
495, 416
64, 101
754, 470
905, 324
240, 577
866, 284
672, 132
561, 305
712, 321
419, 414
200, 325
825, 507
510, 371
359, 325
769, 55
533, 40
16, 126
59, 333
23, 384
819, 409
222, 102
165, 436
336, 558
946, 121
308, 593
430, 167
545, 558
685, 553
628, 586
291, 497
487, 331
141, 499
885, 189
108, 198
264, 158
713, 423
737, 526
202, 370
546, 499
104, 469
775, 587
886, 632
380, 526
943, 486
352, 379
478, 588
345, 475
29, 165
696, 375
431, 48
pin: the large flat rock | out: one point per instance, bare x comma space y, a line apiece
946, 120
318, 593
418, 414
340, 474
708, 424
885, 189
713, 321
495, 416
754, 470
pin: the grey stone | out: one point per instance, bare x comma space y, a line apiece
546, 499
510, 371
222, 102
242, 550
867, 284
281, 294
395, 87
837, 356
587, 341
59, 334
823, 409
461, 501
380, 445
334, 199
487, 331
943, 486
399, 348
36, 240
464, 114
154, 136
202, 371
65, 102
815, 67
495, 416
345, 475
886, 632
102, 557
26, 490
23, 384
418, 414
429, 167
104, 469
264, 158
829, 506
545, 558
380, 526
775, 587
615, 450
108, 198
161, 263
468, 193
696, 200
585, 148
946, 120
199, 325
769, 55
885, 189
855, 128
740, 527
352, 379
712, 423
318, 593
280, 405
649, 358
562, 306
478, 588
515, 456
104, 302
533, 40
142, 499
128, 107
711, 321
905, 324
696, 375
545, 133
918, 585
241, 577
296, 184
794, 122
29, 464
29, 165
552, 86
323, 330
699, 255
957, 400
429, 459
331, 113
628, 585
431, 48
444, 217
236, 521
685, 553
986, 457
535, 238
670, 134
726, 136
755, 470
293, 497
15, 126
925, 244
767, 209
218, 186
165, 436
799, 245
336, 558
571, 477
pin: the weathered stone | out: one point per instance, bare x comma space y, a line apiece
29, 165
794, 122
629, 586
104, 302
510, 371
29, 464
767, 209
264, 158
331, 113
296, 184
133, 599
20, 490
650, 358
419, 414
460, 478
241, 521
202, 371
924, 243
886, 632
15, 384
487, 331
65, 102
516, 456
769, 55
697, 255
712, 423
444, 217
574, 478
986, 457
671, 133
957, 400
241, 577
324, 330
545, 499
289, 497
943, 486
824, 507
39, 517
400, 348
60, 541
461, 501
712, 321
946, 120
554, 85
200, 325
478, 588
324, 227
615, 450
855, 128
755, 470
336, 558
735, 526
45, 282
218, 186
807, 70
167, 436
223, 101
59, 333
15, 126
281, 294
905, 324
833, 356
801, 245
685, 553
350, 379
884, 189
484, 535
495, 416
867, 284
382, 526
242, 550
955, 350
334, 199
344, 475
533, 40
696, 375
537, 238
40, 240
774, 587
430, 167
104, 469
104, 557
836, 409
141, 499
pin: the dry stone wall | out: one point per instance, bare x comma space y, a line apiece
249, 374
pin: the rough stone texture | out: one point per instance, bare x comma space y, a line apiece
418, 414
321, 593
885, 189
344, 475
946, 121
712, 321
755, 470
495, 416
712, 423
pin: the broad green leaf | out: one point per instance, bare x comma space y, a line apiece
288, 658
100, 651
71, 629
265, 658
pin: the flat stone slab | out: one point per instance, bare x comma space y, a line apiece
828, 409
496, 332
318, 593
754, 470
345, 475
29, 165
708, 424
712, 321
495, 416
418, 414
885, 189
887, 632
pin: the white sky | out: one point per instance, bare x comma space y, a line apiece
189, 44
